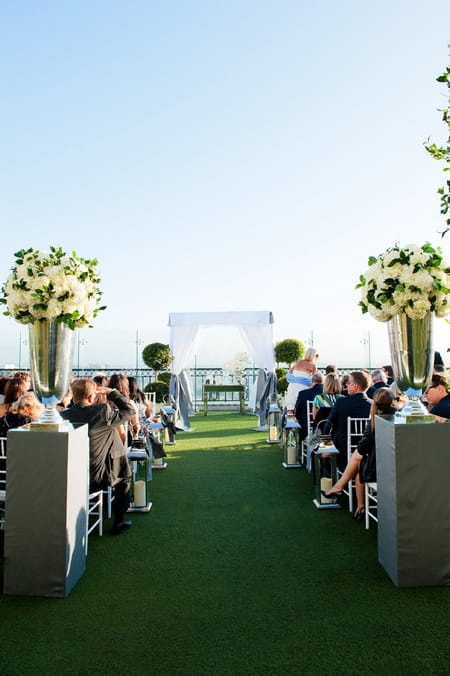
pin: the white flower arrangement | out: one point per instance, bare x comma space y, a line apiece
51, 285
412, 279
237, 365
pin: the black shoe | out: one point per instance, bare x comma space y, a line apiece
121, 527
360, 513
331, 496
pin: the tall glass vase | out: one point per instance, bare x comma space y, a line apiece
412, 355
51, 359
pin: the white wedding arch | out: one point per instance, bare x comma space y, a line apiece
186, 329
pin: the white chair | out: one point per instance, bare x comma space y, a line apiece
109, 493
94, 515
2, 481
355, 430
371, 502
309, 426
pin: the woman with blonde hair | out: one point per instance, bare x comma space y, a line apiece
322, 403
299, 377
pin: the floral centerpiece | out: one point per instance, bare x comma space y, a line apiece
412, 279
54, 286
54, 293
405, 287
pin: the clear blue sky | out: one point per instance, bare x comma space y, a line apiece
242, 155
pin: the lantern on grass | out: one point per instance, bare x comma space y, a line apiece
274, 424
156, 438
168, 415
140, 481
291, 443
324, 462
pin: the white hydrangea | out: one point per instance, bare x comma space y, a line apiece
400, 269
49, 285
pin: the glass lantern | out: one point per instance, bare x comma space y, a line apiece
156, 430
169, 419
325, 476
291, 443
274, 424
140, 481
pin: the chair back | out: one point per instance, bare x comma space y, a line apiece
2, 480
355, 430
309, 418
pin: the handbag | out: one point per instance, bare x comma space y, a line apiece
368, 468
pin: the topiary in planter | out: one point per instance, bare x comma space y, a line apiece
282, 385
160, 388
165, 376
280, 372
288, 351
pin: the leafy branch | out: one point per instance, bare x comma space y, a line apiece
442, 153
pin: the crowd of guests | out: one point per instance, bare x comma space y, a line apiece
115, 411
358, 394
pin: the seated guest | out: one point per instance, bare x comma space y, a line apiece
379, 379
438, 361
355, 405
323, 402
438, 397
3, 381
344, 382
15, 387
25, 410
389, 374
138, 396
384, 404
299, 377
107, 456
119, 381
301, 406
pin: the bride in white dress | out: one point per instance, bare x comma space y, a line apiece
299, 377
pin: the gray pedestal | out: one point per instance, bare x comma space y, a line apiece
46, 510
413, 470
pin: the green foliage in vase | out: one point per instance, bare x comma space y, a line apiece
442, 153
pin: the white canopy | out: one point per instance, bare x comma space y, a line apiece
255, 328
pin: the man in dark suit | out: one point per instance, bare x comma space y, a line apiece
108, 462
379, 379
356, 405
301, 406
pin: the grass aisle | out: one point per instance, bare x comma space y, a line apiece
232, 572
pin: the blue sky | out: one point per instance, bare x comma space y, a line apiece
242, 155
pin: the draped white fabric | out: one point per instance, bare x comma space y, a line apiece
256, 329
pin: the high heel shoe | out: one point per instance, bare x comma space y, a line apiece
329, 495
360, 513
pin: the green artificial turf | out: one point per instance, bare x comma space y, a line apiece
233, 572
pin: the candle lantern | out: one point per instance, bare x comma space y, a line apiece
291, 443
156, 438
274, 424
324, 463
140, 481
168, 416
